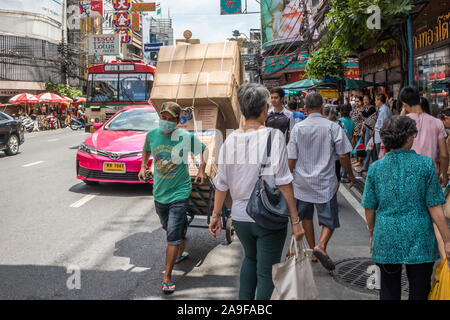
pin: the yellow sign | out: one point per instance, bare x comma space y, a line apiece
329, 93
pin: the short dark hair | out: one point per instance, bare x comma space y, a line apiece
360, 98
444, 113
292, 105
345, 110
382, 98
396, 130
425, 105
410, 95
313, 101
278, 91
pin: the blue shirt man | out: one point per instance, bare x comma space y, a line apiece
383, 113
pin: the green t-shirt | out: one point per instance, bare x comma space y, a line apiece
171, 173
349, 126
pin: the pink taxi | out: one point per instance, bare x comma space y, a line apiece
114, 152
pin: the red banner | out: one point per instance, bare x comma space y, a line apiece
122, 19
122, 5
125, 34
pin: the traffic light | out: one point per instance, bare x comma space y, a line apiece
154, 56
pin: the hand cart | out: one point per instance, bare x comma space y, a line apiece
201, 203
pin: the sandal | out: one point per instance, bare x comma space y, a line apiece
182, 257
166, 288
324, 259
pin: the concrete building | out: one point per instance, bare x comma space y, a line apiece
30, 32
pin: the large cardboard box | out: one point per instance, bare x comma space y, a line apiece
200, 89
211, 57
201, 75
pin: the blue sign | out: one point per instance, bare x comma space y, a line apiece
152, 47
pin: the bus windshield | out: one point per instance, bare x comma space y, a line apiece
123, 87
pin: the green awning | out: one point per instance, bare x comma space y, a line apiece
303, 84
351, 84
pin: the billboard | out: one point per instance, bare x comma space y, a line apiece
49, 8
104, 45
283, 64
230, 7
90, 9
281, 21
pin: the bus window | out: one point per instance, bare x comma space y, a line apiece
103, 88
132, 87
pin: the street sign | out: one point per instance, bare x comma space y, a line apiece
152, 47
125, 34
122, 5
104, 44
230, 7
136, 22
142, 7
122, 19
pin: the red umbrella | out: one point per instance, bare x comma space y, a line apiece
23, 98
66, 99
50, 97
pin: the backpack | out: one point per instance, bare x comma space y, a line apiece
278, 121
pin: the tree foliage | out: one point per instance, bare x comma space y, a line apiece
349, 23
63, 90
326, 62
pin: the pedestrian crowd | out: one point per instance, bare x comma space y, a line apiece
298, 160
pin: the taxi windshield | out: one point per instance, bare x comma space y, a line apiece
134, 120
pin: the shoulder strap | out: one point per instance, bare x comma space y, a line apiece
267, 152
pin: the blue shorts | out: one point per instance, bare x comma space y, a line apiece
327, 213
173, 219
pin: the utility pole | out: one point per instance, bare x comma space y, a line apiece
64, 41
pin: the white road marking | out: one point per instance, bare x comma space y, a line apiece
353, 202
83, 201
32, 164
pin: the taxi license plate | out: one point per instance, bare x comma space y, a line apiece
114, 167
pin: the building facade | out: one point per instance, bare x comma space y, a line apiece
432, 53
30, 35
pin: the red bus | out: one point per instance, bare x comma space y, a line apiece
113, 86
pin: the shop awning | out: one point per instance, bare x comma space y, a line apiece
352, 84
303, 84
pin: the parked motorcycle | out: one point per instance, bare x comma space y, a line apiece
77, 124
52, 122
27, 123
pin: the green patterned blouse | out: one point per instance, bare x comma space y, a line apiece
400, 187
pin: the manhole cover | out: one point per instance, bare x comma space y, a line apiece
360, 274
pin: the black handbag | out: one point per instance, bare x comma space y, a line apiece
267, 205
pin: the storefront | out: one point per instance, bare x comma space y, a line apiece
432, 56
383, 69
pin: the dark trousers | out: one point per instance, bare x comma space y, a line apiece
419, 278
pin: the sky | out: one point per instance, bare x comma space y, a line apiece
203, 18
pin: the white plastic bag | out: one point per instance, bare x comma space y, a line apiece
369, 145
293, 279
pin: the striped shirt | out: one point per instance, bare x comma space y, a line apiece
314, 143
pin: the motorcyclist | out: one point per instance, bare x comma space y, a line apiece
80, 114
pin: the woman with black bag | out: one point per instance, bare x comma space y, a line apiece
253, 166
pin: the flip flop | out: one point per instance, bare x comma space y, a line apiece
166, 287
324, 259
182, 257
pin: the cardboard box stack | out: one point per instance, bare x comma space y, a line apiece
207, 78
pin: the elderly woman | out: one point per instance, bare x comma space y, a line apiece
240, 160
402, 198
